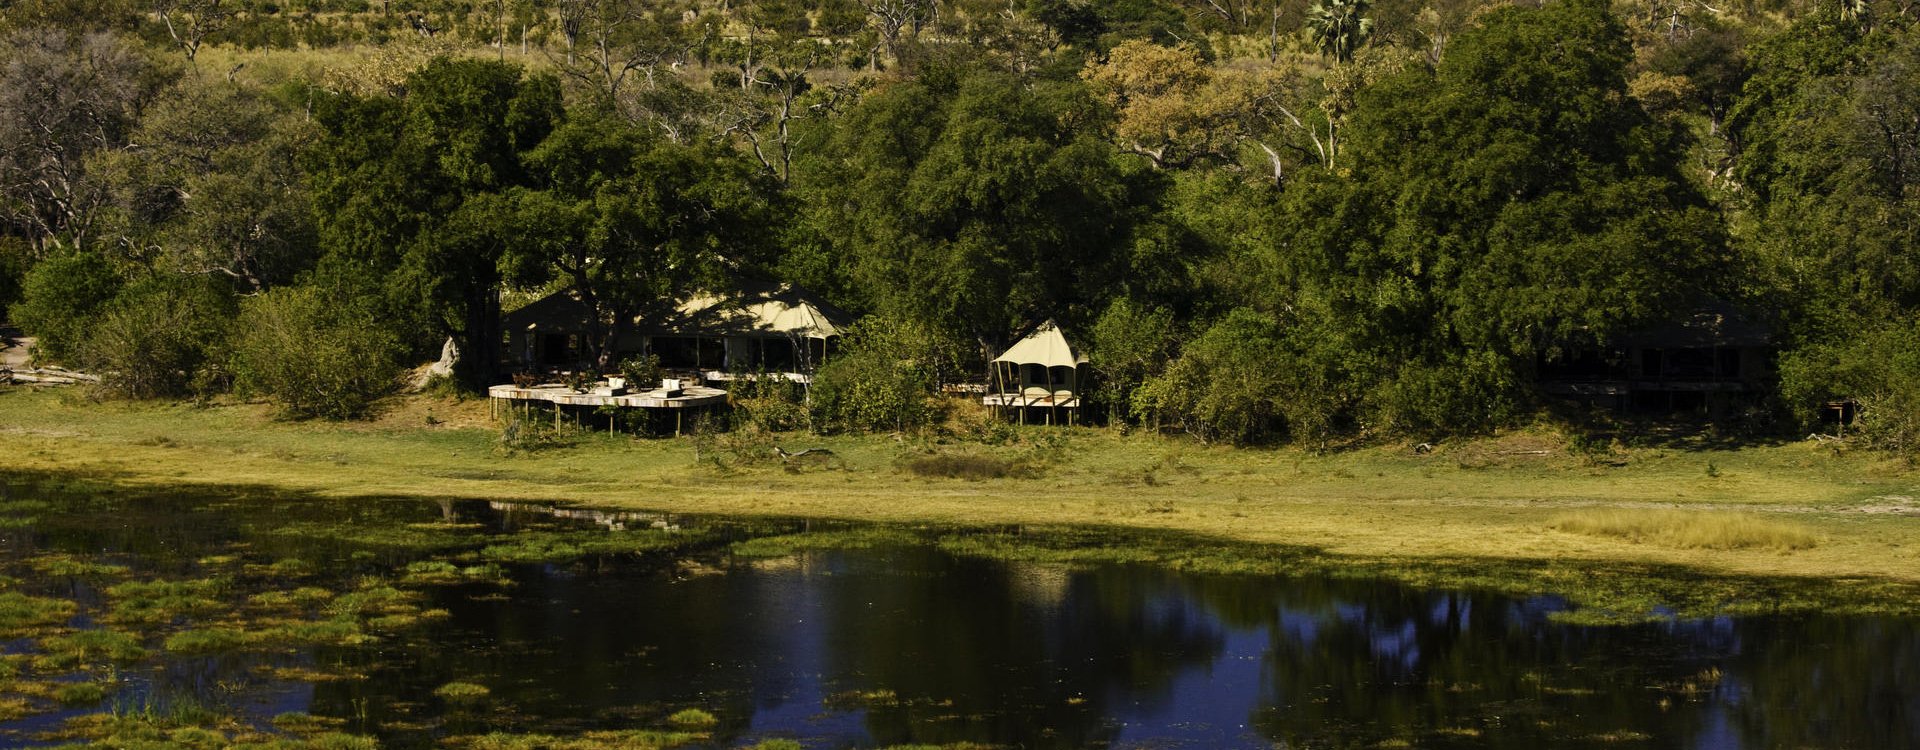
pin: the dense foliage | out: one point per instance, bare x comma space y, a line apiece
1264, 220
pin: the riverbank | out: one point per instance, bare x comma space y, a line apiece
1800, 510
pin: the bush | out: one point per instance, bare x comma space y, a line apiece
1876, 368
160, 337
1245, 381
1130, 343
59, 299
882, 378
313, 355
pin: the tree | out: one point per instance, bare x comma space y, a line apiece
391, 181
1510, 205
632, 222
1338, 28
161, 337
973, 209
190, 22
213, 187
62, 98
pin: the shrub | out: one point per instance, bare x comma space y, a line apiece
642, 372
1874, 367
159, 338
1130, 343
314, 355
59, 299
1245, 381
883, 378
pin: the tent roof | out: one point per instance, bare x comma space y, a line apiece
1045, 346
753, 308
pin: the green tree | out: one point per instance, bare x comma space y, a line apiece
391, 179
1338, 28
884, 377
631, 222
973, 207
1509, 205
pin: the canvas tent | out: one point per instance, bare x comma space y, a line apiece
1041, 370
757, 326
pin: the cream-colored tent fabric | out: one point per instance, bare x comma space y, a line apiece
781, 312
1046, 347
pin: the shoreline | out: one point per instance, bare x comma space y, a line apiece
1477, 503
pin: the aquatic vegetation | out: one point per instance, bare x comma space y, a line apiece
776, 744
692, 717
80, 693
69, 566
15, 708
21, 614
305, 596
408, 537
88, 646
462, 692
193, 728
614, 740
441, 572
787, 544
374, 597
200, 641
165, 601
1687, 529
569, 546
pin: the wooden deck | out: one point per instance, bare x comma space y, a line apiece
559, 395
691, 396
1038, 402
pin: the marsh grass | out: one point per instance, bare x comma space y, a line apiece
21, 614
203, 641
151, 602
1715, 530
572, 546
88, 647
633, 739
462, 692
692, 718
788, 544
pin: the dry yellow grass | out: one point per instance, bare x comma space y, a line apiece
1713, 529
1495, 498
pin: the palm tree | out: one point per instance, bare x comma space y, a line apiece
1339, 27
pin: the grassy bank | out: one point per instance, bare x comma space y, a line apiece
1797, 509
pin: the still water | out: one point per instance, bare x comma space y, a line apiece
897, 642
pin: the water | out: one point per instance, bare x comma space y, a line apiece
906, 643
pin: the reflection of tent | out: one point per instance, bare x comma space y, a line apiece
1040, 370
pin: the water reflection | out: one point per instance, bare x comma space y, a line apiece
909, 644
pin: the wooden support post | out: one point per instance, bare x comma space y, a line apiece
676, 421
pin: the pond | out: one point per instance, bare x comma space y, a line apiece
218, 618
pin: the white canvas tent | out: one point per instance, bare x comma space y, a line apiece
1040, 370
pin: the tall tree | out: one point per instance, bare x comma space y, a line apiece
392, 179
631, 221
1510, 204
63, 98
